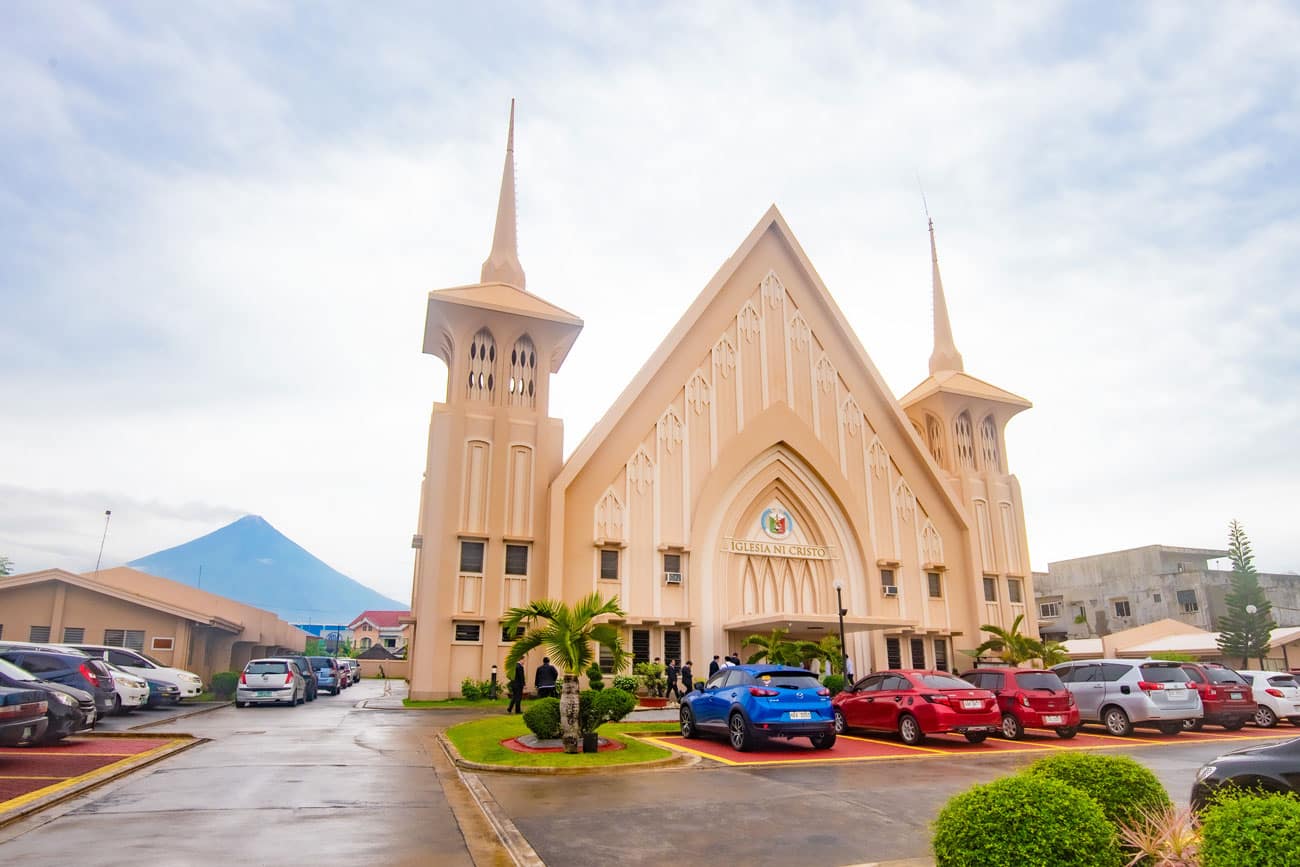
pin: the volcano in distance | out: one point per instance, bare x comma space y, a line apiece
252, 562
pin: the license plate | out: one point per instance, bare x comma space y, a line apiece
972, 704
263, 693
800, 714
1053, 720
1236, 696
1176, 694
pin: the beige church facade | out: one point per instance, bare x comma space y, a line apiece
756, 472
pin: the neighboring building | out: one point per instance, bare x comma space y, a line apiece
333, 635
1123, 589
380, 629
174, 623
1175, 637
756, 468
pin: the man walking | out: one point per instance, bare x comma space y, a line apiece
687, 676
671, 672
713, 666
517, 689
545, 678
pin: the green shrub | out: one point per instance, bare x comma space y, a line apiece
652, 675
543, 718
1120, 785
626, 683
469, 689
595, 708
224, 684
595, 677
1251, 831
1022, 820
834, 682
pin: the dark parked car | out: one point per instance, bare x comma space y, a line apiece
70, 667
161, 693
1272, 768
308, 673
22, 716
328, 676
68, 709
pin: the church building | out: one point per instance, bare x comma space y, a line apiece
756, 474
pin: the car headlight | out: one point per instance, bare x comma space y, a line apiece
65, 699
1205, 772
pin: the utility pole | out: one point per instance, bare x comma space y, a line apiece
108, 514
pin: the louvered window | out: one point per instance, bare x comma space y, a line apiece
73, 635
516, 559
39, 634
918, 652
893, 653
471, 557
941, 654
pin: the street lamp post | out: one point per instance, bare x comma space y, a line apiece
844, 649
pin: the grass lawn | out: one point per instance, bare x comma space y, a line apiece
486, 703
480, 741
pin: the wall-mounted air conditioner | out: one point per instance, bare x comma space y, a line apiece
889, 589
672, 577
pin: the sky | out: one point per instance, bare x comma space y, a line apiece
221, 220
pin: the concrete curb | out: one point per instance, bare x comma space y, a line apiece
171, 719
95, 779
902, 862
676, 760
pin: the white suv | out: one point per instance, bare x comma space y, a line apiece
189, 683
1276, 693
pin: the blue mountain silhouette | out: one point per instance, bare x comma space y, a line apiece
252, 562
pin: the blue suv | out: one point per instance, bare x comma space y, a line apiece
748, 702
327, 674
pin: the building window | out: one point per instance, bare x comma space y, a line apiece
893, 653
1049, 610
1014, 596
886, 577
934, 438
482, 364
1187, 600
965, 441
673, 568
941, 654
516, 559
471, 556
640, 646
989, 444
936, 584
365, 642
507, 638
1155, 597
990, 588
390, 642
673, 645
74, 634
39, 634
2, 630
1122, 609
606, 659
467, 633
609, 564
918, 652
131, 639
522, 384
159, 643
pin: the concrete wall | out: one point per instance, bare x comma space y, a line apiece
398, 669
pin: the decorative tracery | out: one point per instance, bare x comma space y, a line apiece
482, 366
522, 384
965, 439
989, 444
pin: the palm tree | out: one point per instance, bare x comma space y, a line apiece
567, 634
1052, 653
779, 650
1011, 645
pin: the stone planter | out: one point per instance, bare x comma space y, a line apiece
651, 701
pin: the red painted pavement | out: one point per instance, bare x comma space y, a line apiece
26, 769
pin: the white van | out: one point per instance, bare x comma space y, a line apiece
189, 683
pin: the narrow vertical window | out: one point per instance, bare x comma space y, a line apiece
965, 441
918, 652
934, 438
640, 646
936, 584
893, 653
941, 654
1014, 593
989, 444
990, 588
521, 387
482, 366
609, 564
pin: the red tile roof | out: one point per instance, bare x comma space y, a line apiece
381, 619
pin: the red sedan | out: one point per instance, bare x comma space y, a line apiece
916, 703
1029, 698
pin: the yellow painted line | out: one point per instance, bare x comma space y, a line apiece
70, 782
900, 745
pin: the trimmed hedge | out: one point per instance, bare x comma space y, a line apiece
224, 684
834, 682
1022, 820
1121, 786
543, 718
1251, 831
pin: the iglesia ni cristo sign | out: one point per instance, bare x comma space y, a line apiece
778, 549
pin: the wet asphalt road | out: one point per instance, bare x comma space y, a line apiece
322, 783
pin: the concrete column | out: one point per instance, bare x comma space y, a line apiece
56, 611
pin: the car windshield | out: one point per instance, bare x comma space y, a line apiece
943, 681
788, 680
1156, 673
9, 669
320, 662
1223, 675
266, 668
1045, 680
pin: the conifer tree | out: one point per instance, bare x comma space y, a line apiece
1243, 632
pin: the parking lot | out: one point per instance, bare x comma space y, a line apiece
30, 773
860, 748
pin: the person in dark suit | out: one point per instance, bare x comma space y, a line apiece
517, 689
713, 666
545, 678
687, 683
672, 672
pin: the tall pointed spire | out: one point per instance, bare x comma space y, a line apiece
945, 355
502, 264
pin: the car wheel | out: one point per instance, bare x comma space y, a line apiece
241, 704
117, 705
909, 730
741, 737
1265, 718
840, 725
976, 737
688, 723
1193, 725
823, 741
1012, 730
1234, 726
1171, 728
1067, 732
336, 691
1117, 722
